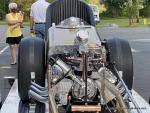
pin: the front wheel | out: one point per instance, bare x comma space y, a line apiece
119, 52
31, 58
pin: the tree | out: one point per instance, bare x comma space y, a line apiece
97, 2
137, 10
133, 11
115, 7
3, 8
146, 10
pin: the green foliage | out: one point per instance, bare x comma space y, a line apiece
50, 1
3, 8
115, 8
133, 10
101, 7
121, 22
146, 10
116, 3
2, 13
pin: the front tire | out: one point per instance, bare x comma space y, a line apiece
119, 52
31, 58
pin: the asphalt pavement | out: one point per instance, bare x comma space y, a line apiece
6, 70
139, 39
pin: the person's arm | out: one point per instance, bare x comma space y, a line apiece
31, 20
17, 24
11, 22
31, 24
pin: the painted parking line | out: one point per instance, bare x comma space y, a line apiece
5, 67
142, 40
1, 52
4, 49
134, 50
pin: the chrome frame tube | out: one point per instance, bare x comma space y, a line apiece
128, 92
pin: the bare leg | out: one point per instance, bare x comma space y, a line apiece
17, 45
13, 52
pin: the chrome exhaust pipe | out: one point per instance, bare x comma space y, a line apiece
43, 93
119, 84
127, 90
38, 86
38, 97
126, 96
122, 90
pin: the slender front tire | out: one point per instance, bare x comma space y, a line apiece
119, 52
31, 58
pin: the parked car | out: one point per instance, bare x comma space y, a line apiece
96, 12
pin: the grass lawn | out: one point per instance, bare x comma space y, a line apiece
122, 22
2, 22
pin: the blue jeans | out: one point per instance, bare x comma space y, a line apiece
40, 30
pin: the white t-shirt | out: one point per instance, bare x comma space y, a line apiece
38, 11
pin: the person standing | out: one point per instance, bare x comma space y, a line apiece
13, 32
38, 18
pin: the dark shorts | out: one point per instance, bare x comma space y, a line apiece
13, 40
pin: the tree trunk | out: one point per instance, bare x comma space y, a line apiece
137, 12
137, 18
130, 17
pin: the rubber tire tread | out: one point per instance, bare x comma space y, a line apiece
119, 52
31, 58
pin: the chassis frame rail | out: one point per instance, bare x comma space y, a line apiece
12, 103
